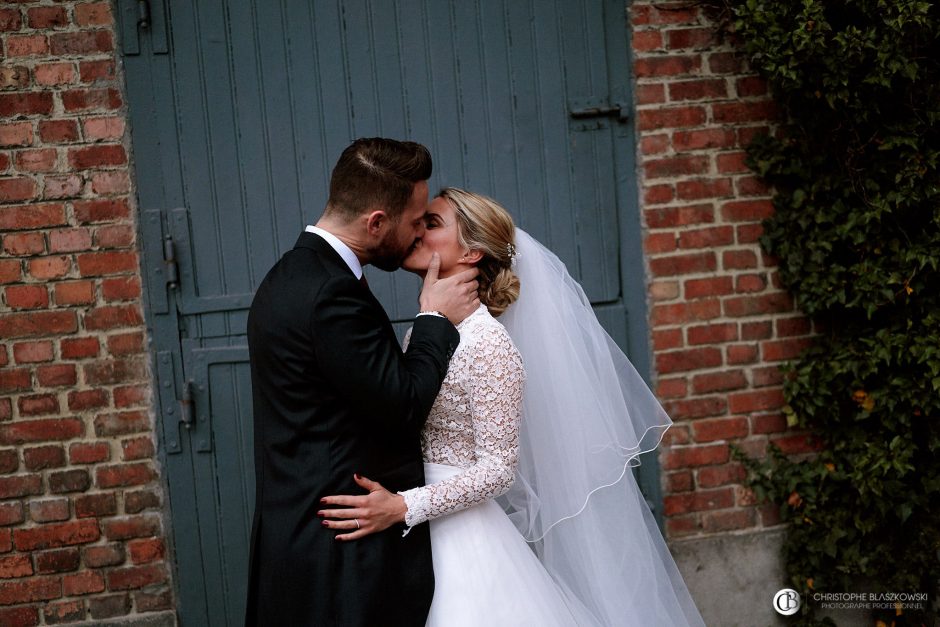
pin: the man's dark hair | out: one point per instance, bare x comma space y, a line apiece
375, 173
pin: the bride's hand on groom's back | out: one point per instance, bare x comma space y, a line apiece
358, 516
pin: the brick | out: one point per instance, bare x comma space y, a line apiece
673, 265
18, 616
671, 388
64, 612
646, 40
768, 423
56, 535
704, 188
86, 582
719, 381
713, 333
681, 313
12, 513
747, 210
109, 606
672, 117
732, 112
750, 234
702, 139
711, 88
16, 134
720, 429
6, 540
79, 348
679, 526
798, 444
77, 100
685, 360
134, 527
38, 160
141, 500
6, 413
664, 290
95, 505
763, 377
131, 396
667, 65
134, 577
33, 352
726, 62
69, 240
58, 131
9, 460
709, 237
668, 217
654, 144
54, 74
758, 305
667, 339
146, 550
13, 566
43, 457
696, 408
677, 434
93, 14
13, 76
745, 283
715, 286
749, 86
25, 103
742, 354
106, 263
10, 20
100, 556
675, 166
44, 268
26, 45
19, 486
121, 423
75, 293
83, 400
80, 42
97, 129
45, 430
114, 371
114, 236
58, 375
49, 510
11, 270
13, 380
69, 481
138, 448
113, 317
730, 520
650, 93
732, 163
658, 194
751, 186
38, 405
16, 189
87, 157
694, 456
761, 400
42, 18
27, 297
89, 452
714, 476
110, 182
123, 475
679, 481
787, 327
698, 501
700, 38
153, 601
738, 259
784, 350
96, 71
59, 187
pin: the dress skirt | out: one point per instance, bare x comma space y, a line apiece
485, 574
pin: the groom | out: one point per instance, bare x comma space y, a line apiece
334, 395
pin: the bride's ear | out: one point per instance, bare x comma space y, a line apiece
472, 256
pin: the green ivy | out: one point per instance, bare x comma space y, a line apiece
856, 232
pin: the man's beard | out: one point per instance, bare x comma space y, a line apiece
388, 255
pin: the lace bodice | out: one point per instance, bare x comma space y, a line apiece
474, 422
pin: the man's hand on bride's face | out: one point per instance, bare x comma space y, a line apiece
359, 516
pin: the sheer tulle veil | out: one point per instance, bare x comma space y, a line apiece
587, 416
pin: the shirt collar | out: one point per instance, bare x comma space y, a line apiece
344, 251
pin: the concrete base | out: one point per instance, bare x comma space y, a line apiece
733, 579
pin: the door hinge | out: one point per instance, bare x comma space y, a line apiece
616, 110
172, 269
186, 405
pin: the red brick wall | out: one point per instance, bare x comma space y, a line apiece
721, 324
81, 534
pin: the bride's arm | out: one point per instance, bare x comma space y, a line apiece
496, 382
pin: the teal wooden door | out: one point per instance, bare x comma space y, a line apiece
239, 108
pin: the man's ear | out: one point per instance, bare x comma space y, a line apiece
473, 256
376, 222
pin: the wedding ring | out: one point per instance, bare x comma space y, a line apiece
358, 526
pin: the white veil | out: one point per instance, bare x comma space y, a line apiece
587, 416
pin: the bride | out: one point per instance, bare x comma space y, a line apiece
535, 516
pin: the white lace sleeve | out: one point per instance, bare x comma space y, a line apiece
496, 381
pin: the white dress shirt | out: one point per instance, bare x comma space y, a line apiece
344, 251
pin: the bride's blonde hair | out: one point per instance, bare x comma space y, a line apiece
484, 225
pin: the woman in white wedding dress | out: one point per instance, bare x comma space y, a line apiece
535, 516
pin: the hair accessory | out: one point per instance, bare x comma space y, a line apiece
510, 250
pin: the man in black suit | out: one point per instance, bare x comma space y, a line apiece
334, 395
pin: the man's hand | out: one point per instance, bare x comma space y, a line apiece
363, 515
455, 297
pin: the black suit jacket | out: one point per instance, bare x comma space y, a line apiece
335, 395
